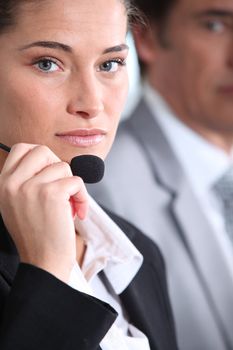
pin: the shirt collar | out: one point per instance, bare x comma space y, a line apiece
203, 162
108, 249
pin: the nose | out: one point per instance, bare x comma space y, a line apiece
86, 100
230, 56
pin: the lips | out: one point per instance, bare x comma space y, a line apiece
83, 137
227, 89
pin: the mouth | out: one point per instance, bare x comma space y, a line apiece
83, 137
227, 89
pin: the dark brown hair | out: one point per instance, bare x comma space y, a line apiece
156, 14
155, 10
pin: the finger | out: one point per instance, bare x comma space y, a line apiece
79, 195
72, 190
35, 160
52, 173
80, 204
17, 153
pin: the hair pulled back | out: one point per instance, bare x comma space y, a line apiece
9, 9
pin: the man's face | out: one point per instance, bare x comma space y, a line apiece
194, 70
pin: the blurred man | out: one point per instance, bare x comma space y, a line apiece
171, 156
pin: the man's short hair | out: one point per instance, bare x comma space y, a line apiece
155, 10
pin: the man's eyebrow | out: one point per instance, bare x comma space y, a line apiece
214, 13
48, 44
117, 48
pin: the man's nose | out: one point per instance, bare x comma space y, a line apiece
87, 99
230, 56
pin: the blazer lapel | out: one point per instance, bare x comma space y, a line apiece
9, 259
143, 301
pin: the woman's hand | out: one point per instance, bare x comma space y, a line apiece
38, 198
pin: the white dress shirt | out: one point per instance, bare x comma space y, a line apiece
203, 163
108, 250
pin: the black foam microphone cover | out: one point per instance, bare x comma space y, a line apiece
89, 167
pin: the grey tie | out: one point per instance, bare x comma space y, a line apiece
224, 190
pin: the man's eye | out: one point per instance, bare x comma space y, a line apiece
111, 66
47, 65
215, 26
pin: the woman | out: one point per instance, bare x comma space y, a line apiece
63, 86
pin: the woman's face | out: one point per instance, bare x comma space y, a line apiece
63, 79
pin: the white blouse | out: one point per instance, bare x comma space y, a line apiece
108, 250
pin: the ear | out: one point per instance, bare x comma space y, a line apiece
145, 38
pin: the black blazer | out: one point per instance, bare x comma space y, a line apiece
38, 311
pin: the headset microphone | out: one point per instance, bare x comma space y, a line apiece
89, 167
4, 147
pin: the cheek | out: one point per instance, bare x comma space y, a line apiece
114, 101
190, 75
29, 109
115, 98
203, 65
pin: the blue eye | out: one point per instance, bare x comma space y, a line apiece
112, 65
47, 65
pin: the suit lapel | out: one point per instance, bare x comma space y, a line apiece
192, 225
157, 150
143, 301
9, 259
208, 260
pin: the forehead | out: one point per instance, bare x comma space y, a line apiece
67, 6
69, 18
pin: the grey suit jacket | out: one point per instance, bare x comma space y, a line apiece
145, 183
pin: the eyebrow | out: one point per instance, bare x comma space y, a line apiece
214, 13
117, 48
63, 47
48, 44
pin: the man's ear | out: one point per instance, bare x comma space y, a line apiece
146, 42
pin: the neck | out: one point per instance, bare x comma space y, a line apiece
216, 134
224, 142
